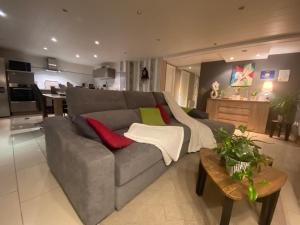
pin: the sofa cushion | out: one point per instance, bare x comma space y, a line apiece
186, 129
160, 98
116, 119
214, 125
151, 116
197, 113
168, 110
165, 116
133, 160
135, 99
84, 128
83, 100
111, 139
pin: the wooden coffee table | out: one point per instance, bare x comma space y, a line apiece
237, 190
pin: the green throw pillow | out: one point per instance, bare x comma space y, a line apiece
187, 110
151, 116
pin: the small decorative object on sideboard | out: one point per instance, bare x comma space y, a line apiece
215, 90
253, 95
145, 74
242, 158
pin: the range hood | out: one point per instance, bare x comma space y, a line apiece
104, 73
52, 64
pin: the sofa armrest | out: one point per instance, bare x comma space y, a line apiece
83, 167
197, 113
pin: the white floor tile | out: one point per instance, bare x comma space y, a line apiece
7, 179
51, 208
35, 181
10, 210
28, 158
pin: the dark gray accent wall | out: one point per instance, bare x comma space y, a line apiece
221, 71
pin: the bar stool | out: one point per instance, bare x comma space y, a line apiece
280, 124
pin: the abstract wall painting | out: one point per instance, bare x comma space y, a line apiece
242, 76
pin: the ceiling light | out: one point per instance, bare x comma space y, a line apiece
190, 67
2, 14
77, 55
45, 48
97, 43
257, 55
95, 56
53, 39
241, 7
158, 39
65, 10
139, 12
231, 58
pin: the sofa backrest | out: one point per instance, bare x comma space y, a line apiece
115, 109
83, 100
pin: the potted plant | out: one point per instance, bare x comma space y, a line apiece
286, 106
242, 157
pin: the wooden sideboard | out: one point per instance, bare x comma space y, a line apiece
253, 114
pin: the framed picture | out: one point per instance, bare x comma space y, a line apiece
284, 75
267, 75
242, 76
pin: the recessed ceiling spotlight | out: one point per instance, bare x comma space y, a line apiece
139, 12
190, 67
97, 43
231, 58
77, 56
45, 48
53, 39
244, 50
65, 10
2, 14
158, 39
241, 7
95, 56
257, 55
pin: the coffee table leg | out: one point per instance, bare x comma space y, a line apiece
226, 211
268, 208
201, 179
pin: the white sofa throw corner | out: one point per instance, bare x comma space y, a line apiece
201, 135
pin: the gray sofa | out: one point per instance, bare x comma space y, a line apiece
95, 179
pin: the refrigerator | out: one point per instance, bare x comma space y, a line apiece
4, 104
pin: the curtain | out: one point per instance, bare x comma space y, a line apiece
134, 71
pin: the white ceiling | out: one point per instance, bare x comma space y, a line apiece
180, 26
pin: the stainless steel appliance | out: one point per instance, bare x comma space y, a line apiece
4, 104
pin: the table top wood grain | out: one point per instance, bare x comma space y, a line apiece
237, 190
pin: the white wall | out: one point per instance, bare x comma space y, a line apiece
40, 76
74, 73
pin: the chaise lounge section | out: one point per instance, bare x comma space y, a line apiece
95, 179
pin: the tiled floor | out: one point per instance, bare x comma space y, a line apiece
30, 195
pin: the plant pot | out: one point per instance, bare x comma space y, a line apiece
239, 166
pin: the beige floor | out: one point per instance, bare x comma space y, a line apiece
30, 195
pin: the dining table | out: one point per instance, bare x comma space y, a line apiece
58, 103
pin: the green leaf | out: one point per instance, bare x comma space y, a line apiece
252, 194
263, 182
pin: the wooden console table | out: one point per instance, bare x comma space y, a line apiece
237, 190
253, 114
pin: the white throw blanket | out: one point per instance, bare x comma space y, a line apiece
168, 139
201, 135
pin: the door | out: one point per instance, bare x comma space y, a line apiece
4, 105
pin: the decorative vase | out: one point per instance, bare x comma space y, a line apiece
239, 166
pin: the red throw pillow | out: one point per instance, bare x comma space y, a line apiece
163, 113
110, 138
